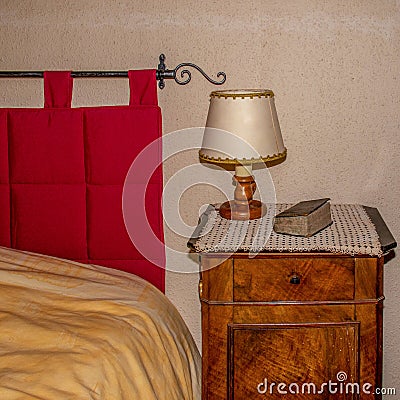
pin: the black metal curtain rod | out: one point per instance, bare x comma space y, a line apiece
162, 73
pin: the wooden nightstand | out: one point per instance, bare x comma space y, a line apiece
292, 321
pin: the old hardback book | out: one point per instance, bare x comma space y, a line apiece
305, 218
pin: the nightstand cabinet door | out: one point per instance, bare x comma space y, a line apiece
264, 356
292, 326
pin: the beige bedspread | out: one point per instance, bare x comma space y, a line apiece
70, 331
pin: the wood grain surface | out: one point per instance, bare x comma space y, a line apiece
257, 325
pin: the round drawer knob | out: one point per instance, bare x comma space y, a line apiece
295, 280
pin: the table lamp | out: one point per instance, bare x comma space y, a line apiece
242, 131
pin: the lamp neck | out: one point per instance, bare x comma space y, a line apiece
244, 170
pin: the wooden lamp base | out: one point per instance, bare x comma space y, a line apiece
243, 207
232, 210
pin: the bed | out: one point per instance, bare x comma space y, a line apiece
75, 331
82, 313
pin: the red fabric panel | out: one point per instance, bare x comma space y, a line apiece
49, 219
107, 236
57, 89
5, 239
46, 146
115, 136
153, 205
4, 174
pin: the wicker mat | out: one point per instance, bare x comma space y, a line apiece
352, 232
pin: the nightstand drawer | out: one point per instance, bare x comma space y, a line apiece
292, 278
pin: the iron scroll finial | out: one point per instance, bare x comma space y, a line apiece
164, 73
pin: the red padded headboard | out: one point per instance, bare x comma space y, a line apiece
62, 172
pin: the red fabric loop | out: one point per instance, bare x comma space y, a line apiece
143, 87
57, 89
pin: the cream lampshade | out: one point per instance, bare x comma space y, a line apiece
242, 130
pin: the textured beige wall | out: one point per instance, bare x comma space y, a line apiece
333, 65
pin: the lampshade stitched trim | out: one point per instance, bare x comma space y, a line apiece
235, 161
225, 95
